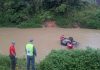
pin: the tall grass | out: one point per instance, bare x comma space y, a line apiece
4, 62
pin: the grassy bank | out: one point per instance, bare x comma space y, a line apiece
4, 63
87, 59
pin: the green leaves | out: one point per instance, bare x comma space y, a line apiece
61, 8
16, 12
72, 60
4, 62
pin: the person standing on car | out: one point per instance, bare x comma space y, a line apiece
31, 53
12, 54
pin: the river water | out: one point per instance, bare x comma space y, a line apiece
45, 39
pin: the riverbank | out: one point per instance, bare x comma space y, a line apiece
61, 59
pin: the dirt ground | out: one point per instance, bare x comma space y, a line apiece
45, 39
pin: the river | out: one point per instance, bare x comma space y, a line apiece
45, 39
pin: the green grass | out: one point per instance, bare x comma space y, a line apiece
76, 59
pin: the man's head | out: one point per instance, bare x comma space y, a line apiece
13, 42
71, 39
31, 40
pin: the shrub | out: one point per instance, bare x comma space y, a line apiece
21, 64
88, 59
61, 8
37, 20
63, 22
32, 23
45, 15
4, 63
89, 18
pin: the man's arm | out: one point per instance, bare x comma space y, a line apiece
34, 52
25, 50
14, 53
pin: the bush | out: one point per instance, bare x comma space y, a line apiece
32, 23
61, 8
16, 12
63, 22
4, 63
45, 15
88, 59
37, 20
21, 64
89, 18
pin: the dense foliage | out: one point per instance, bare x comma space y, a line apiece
88, 59
4, 63
31, 13
14, 12
89, 18
77, 59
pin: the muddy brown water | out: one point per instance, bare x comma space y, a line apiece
45, 39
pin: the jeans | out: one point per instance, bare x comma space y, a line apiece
30, 60
13, 62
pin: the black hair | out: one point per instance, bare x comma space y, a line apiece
71, 39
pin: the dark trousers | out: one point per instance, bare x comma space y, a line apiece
13, 62
30, 60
